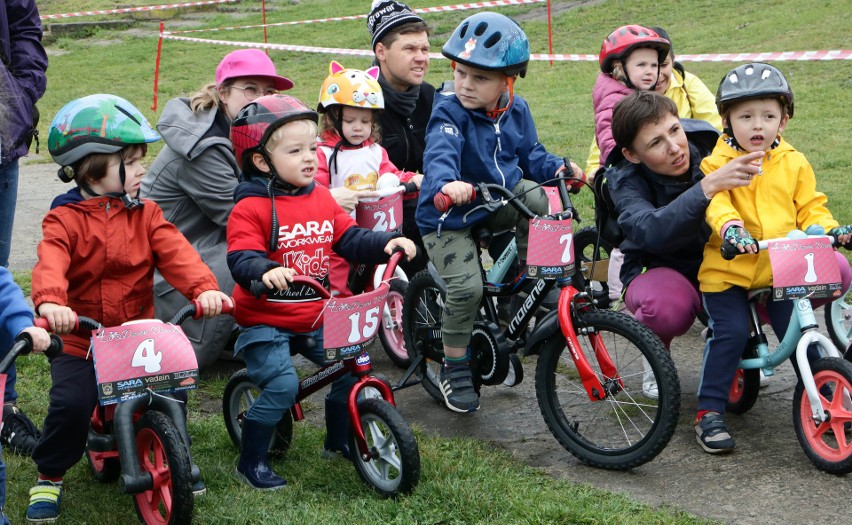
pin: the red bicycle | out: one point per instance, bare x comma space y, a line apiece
388, 457
142, 441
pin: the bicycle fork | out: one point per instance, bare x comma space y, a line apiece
591, 382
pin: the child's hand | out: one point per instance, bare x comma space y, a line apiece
404, 243
279, 277
61, 318
740, 237
843, 234
577, 173
211, 302
417, 180
40, 337
460, 192
348, 199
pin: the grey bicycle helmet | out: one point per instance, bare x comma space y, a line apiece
755, 80
490, 41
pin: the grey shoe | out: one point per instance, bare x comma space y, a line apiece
712, 434
456, 384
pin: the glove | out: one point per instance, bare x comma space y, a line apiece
842, 230
739, 235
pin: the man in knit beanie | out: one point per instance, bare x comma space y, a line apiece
401, 44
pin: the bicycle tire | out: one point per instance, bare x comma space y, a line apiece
393, 467
745, 387
162, 452
838, 322
422, 313
240, 393
585, 240
828, 445
391, 335
625, 429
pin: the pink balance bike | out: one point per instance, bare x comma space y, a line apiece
384, 449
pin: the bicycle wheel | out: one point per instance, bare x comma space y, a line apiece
626, 428
163, 454
391, 334
838, 322
240, 394
745, 387
585, 241
394, 464
828, 445
422, 320
104, 470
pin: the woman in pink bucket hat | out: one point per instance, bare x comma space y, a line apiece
194, 176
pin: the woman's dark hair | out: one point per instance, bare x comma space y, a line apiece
635, 111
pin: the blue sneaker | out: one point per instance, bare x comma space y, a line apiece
456, 385
45, 499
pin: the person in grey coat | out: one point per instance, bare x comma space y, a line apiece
194, 176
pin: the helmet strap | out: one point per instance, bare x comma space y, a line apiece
128, 201
495, 113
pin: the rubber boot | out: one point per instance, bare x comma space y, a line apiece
253, 468
336, 429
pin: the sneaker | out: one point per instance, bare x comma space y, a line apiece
649, 381
18, 433
45, 499
457, 386
712, 434
199, 488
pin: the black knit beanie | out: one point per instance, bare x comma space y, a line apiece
386, 15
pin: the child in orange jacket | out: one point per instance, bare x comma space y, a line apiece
97, 257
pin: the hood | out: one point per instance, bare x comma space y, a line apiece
257, 188
189, 134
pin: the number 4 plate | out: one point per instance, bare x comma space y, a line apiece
136, 356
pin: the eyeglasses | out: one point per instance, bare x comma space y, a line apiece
253, 92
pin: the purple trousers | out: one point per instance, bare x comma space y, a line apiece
665, 301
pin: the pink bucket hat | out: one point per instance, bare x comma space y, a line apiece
250, 63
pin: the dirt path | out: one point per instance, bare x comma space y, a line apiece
767, 480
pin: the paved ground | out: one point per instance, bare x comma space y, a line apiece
767, 480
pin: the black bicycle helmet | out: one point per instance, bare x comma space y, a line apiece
755, 80
490, 41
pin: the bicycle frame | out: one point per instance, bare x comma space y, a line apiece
357, 366
797, 340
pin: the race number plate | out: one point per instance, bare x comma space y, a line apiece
551, 250
136, 356
804, 267
383, 215
349, 324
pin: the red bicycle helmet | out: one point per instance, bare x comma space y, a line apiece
256, 122
625, 39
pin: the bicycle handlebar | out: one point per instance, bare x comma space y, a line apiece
193, 309
258, 288
729, 251
24, 345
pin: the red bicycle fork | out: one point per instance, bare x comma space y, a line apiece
358, 367
591, 382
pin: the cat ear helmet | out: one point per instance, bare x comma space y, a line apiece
97, 124
349, 87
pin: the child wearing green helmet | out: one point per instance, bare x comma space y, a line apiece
779, 195
481, 132
97, 257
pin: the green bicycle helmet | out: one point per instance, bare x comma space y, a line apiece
96, 124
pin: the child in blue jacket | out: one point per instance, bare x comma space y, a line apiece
16, 317
479, 133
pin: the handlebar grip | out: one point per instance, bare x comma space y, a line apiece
443, 201
228, 307
729, 251
41, 322
55, 347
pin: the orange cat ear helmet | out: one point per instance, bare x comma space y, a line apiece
351, 87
